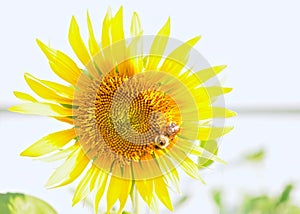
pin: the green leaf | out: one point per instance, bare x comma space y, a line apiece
217, 197
256, 156
212, 147
181, 201
285, 195
293, 210
18, 203
259, 204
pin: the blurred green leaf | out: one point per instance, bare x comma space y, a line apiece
181, 201
293, 210
18, 203
285, 195
217, 197
256, 156
212, 147
258, 205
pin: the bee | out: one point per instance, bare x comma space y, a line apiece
172, 129
161, 141
167, 133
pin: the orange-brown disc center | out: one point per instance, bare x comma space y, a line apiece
132, 115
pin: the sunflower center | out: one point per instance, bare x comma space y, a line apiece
134, 117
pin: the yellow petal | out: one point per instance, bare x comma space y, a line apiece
173, 177
50, 143
135, 49
203, 94
191, 169
162, 192
93, 45
77, 43
158, 46
106, 39
207, 73
100, 188
117, 33
193, 147
69, 170
210, 133
65, 119
145, 169
195, 79
65, 91
185, 162
44, 91
170, 171
94, 49
145, 188
45, 109
136, 27
61, 64
214, 112
61, 154
178, 58
117, 26
94, 179
83, 188
190, 81
118, 189
24, 96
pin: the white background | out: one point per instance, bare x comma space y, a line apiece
258, 40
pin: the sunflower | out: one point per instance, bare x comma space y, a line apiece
139, 109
